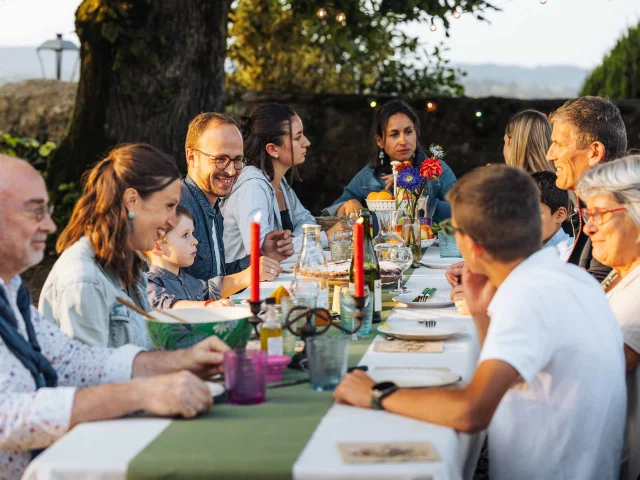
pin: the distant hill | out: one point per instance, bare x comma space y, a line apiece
484, 80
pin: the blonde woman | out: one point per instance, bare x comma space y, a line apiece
527, 139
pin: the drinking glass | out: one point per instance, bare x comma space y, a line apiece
342, 245
347, 306
245, 376
352, 217
328, 357
402, 258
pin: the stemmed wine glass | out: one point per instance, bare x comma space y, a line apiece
402, 258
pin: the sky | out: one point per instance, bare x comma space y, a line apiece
525, 32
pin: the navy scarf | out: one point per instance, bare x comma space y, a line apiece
28, 352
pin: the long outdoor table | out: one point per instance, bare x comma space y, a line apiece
293, 434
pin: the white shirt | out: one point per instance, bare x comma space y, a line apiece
624, 299
31, 419
551, 322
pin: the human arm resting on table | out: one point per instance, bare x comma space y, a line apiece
467, 410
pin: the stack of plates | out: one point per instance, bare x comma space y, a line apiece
420, 332
439, 300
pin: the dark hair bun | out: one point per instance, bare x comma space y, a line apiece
245, 125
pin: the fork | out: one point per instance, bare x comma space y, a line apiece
426, 294
430, 323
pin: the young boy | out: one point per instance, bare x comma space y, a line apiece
550, 381
169, 286
554, 205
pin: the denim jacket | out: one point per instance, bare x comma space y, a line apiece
80, 297
366, 182
205, 216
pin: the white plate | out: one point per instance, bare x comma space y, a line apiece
439, 300
216, 389
440, 264
421, 332
204, 315
414, 378
428, 242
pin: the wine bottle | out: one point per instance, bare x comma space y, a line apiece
371, 268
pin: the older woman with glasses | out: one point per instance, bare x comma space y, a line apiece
612, 220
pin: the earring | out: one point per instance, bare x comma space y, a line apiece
381, 156
130, 216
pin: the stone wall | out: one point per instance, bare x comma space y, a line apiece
339, 127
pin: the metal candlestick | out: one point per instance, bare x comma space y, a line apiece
309, 328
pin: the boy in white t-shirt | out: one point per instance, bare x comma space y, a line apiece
550, 380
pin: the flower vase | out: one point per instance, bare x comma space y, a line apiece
412, 236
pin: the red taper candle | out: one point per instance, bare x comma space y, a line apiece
358, 259
255, 258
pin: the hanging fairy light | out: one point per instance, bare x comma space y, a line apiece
433, 27
478, 114
321, 13
373, 104
431, 106
341, 17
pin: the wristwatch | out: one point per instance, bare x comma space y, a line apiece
380, 391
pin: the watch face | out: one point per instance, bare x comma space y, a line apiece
382, 386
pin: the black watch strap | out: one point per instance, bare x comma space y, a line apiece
380, 391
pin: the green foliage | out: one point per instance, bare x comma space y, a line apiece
282, 45
27, 148
619, 74
37, 154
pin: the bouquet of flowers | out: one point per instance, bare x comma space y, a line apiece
413, 180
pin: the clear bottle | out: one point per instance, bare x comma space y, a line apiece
271, 339
371, 268
311, 257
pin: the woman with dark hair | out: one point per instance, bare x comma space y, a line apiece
128, 202
396, 128
274, 143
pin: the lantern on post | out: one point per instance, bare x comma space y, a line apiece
58, 45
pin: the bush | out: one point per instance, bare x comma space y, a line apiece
619, 74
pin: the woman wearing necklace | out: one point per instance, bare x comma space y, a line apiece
396, 128
274, 143
612, 220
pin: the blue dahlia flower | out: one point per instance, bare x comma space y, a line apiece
410, 179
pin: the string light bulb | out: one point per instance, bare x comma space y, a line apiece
341, 17
433, 27
478, 114
373, 104
431, 106
321, 13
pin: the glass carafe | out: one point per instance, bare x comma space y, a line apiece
311, 258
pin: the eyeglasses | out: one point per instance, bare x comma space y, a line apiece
597, 214
448, 229
223, 161
39, 212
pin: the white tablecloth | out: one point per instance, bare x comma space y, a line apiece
103, 450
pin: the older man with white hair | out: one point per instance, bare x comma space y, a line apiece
49, 382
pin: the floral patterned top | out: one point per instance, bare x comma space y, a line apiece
31, 419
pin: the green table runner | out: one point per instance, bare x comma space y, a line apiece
244, 442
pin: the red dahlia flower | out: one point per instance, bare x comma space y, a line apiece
431, 168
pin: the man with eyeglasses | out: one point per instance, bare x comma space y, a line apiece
214, 154
549, 384
587, 131
49, 382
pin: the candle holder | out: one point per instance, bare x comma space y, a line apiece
309, 329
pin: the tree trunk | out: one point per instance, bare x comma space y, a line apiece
148, 67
